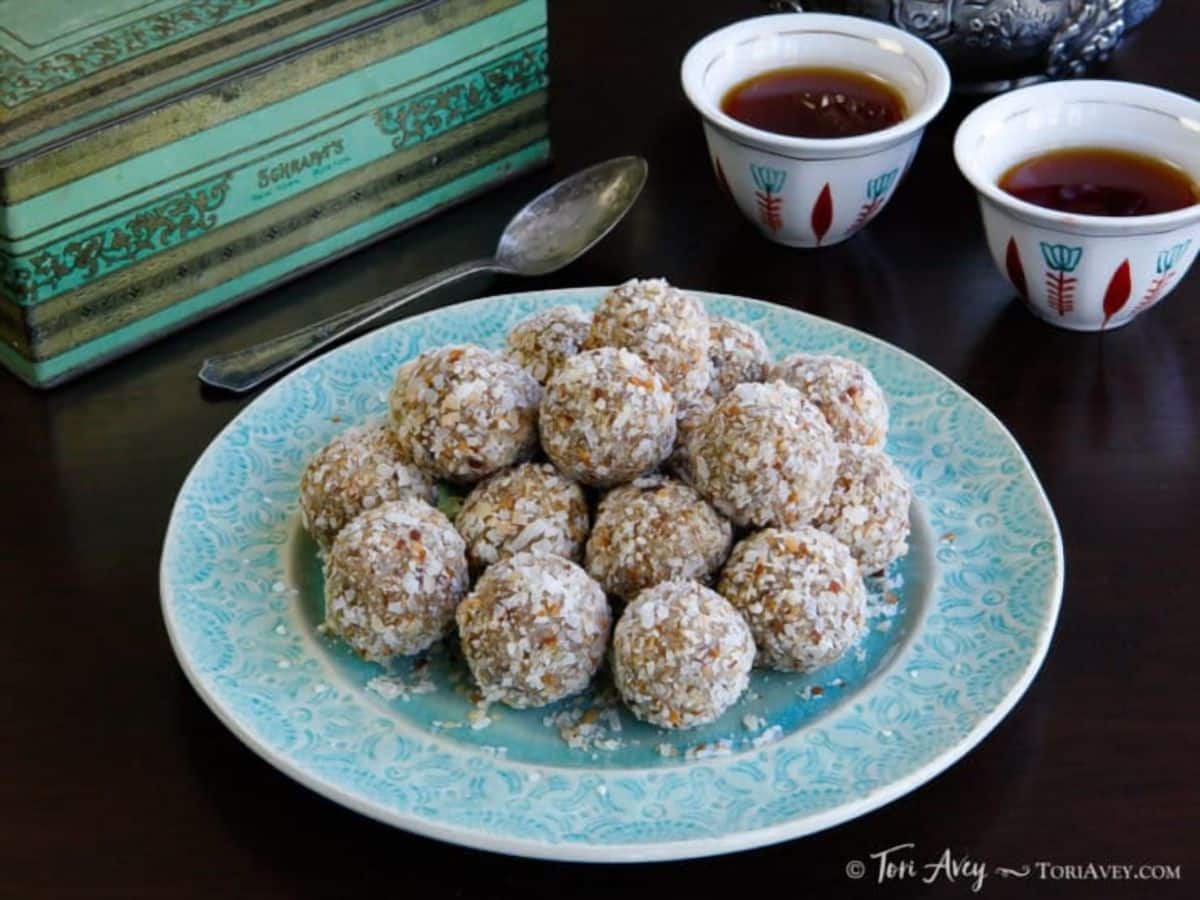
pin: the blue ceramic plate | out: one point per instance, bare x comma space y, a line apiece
958, 630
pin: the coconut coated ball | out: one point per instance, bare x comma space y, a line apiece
654, 529
845, 391
764, 456
359, 469
393, 578
802, 594
681, 655
606, 418
737, 353
534, 630
527, 508
544, 341
664, 326
462, 412
868, 509
687, 424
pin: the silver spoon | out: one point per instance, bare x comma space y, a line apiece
555, 228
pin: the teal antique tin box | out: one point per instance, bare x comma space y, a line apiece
161, 159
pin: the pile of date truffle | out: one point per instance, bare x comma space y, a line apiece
611, 460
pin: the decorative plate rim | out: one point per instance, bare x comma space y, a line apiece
569, 850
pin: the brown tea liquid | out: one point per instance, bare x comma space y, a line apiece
1095, 181
815, 102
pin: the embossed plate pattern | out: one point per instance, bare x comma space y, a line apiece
982, 588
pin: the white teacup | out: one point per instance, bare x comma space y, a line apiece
1085, 273
812, 192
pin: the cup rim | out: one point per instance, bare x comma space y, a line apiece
934, 67
1096, 90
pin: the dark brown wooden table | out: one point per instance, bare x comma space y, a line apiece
115, 780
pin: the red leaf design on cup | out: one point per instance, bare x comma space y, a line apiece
1016, 271
1119, 289
722, 181
822, 214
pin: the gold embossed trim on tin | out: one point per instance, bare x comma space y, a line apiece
228, 252
41, 274
236, 97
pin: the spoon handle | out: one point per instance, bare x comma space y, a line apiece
244, 370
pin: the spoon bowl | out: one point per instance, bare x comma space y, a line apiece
565, 221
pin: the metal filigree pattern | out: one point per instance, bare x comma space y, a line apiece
1004, 39
1010, 25
1087, 38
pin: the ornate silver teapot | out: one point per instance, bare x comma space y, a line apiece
992, 45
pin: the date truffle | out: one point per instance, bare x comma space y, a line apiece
527, 508
802, 594
655, 529
359, 469
534, 630
845, 391
868, 509
606, 418
462, 412
764, 457
544, 341
681, 655
661, 324
736, 353
394, 577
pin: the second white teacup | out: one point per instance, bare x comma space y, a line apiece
1083, 272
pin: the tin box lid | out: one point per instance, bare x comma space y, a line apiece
70, 68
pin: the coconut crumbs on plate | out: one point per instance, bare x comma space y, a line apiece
589, 727
752, 722
395, 686
709, 749
770, 736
